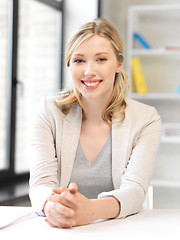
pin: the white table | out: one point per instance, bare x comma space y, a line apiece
146, 225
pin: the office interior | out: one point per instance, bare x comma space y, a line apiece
33, 37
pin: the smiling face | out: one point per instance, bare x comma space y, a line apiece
93, 66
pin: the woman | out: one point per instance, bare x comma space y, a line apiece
92, 149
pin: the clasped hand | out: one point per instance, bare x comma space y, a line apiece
67, 208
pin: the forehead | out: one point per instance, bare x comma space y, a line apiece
95, 43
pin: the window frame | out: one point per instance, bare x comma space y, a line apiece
8, 175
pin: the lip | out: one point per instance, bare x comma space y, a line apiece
91, 84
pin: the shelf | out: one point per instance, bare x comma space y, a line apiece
171, 133
155, 52
163, 96
159, 26
170, 139
165, 183
153, 8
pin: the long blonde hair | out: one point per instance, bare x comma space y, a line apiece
117, 104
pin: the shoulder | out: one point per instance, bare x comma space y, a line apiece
135, 105
48, 102
137, 111
48, 107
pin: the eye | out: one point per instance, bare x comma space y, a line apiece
78, 60
101, 59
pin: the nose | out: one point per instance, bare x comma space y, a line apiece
90, 70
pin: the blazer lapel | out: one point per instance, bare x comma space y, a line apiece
120, 139
70, 138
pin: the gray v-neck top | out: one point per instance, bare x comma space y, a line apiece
95, 177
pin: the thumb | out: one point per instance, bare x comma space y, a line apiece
73, 187
59, 190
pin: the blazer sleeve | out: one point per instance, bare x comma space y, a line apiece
138, 170
42, 155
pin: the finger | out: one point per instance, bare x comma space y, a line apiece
71, 200
73, 187
60, 222
59, 210
62, 199
59, 190
55, 198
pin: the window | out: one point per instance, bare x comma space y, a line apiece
3, 82
37, 67
30, 67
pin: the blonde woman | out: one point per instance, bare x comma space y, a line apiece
92, 148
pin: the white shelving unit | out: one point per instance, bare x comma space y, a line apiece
159, 25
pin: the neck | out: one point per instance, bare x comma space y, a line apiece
93, 110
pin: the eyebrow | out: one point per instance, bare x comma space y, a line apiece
100, 53
81, 55
78, 54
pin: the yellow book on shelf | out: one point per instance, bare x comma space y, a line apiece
139, 81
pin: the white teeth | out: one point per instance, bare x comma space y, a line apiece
91, 84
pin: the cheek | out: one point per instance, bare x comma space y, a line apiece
75, 72
110, 71
75, 76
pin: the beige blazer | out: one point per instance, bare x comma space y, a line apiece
53, 145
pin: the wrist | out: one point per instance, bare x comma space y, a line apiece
105, 208
93, 209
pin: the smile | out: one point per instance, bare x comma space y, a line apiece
91, 84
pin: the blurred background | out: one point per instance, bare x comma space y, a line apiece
33, 34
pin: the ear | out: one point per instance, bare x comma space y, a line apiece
119, 67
